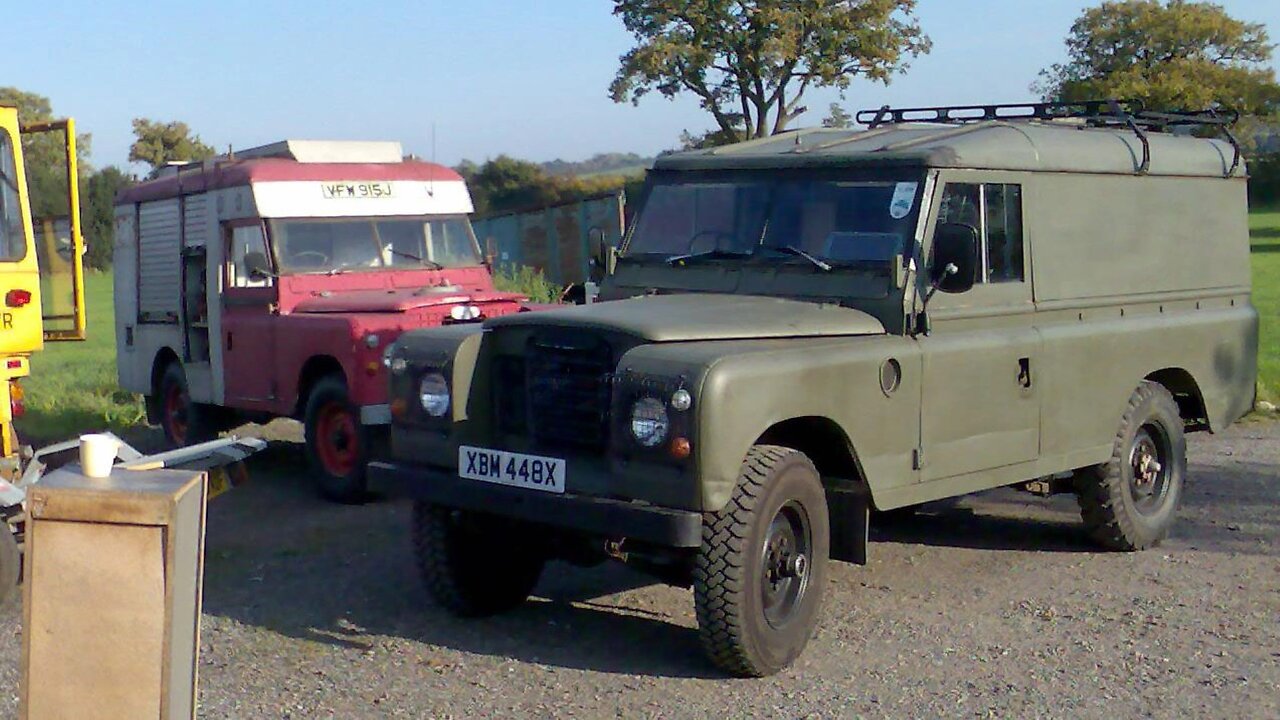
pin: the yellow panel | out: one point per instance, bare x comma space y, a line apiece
20, 327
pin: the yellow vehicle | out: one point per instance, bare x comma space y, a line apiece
41, 291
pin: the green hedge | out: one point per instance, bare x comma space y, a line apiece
1264, 181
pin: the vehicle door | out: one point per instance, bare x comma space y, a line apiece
981, 400
248, 317
54, 299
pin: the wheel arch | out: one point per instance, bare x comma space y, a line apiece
849, 498
824, 442
1186, 393
313, 370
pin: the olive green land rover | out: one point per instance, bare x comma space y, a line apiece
803, 329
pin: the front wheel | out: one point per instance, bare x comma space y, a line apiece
184, 422
474, 565
10, 564
1129, 503
337, 444
760, 573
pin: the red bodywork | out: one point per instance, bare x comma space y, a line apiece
323, 321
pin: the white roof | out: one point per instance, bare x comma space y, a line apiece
328, 151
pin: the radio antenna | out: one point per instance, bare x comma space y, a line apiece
431, 186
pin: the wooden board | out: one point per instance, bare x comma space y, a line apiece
96, 621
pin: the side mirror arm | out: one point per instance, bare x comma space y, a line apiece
934, 286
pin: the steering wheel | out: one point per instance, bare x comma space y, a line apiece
322, 258
715, 235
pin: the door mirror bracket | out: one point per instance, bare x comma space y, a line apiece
256, 266
954, 267
955, 259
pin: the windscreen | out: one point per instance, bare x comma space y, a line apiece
328, 245
766, 217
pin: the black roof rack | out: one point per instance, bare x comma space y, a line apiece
1097, 113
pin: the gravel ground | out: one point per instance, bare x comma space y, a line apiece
991, 605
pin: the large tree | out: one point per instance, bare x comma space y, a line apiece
160, 143
97, 200
750, 62
1169, 55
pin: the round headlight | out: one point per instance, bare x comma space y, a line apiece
433, 393
372, 340
649, 421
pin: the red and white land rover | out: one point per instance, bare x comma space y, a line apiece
273, 282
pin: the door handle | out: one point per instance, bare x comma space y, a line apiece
1024, 372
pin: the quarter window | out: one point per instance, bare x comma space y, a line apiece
995, 210
246, 240
13, 244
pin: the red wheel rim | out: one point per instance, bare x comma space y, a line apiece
337, 440
175, 414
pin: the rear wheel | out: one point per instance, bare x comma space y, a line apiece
184, 422
474, 565
337, 444
1130, 502
10, 564
759, 576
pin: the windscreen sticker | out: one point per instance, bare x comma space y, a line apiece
904, 197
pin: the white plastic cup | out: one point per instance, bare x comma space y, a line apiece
98, 454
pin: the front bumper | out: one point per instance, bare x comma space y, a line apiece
375, 414
596, 516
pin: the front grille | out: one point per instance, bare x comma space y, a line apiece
568, 390
510, 402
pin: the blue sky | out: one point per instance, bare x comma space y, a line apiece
526, 78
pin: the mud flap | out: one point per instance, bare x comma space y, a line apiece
850, 523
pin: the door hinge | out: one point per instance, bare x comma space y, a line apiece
917, 459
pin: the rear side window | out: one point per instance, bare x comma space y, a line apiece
995, 210
1004, 233
13, 245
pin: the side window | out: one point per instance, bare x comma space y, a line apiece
1004, 233
246, 241
995, 210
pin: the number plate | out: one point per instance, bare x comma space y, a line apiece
532, 472
219, 482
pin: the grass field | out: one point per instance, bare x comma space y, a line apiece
72, 388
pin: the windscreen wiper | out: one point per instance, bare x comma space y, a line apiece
793, 250
708, 255
430, 263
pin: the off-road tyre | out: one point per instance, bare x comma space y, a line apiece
337, 444
731, 570
1118, 511
474, 565
10, 565
183, 421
